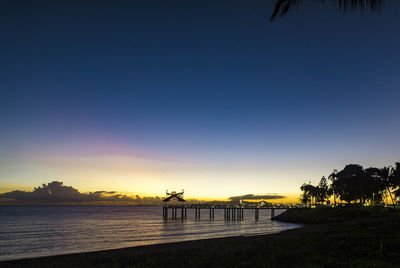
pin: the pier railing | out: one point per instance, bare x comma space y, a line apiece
231, 212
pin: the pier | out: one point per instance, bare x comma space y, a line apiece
231, 212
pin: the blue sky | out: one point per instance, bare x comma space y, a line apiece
196, 93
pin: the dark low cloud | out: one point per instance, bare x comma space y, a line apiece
105, 192
256, 197
55, 193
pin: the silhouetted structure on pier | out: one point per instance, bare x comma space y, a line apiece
176, 195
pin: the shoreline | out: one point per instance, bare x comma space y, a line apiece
144, 249
329, 237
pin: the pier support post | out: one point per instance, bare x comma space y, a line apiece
272, 213
256, 213
185, 212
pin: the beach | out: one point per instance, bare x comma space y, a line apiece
205, 252
31, 232
364, 241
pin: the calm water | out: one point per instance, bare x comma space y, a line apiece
41, 231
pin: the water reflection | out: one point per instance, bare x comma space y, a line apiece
32, 232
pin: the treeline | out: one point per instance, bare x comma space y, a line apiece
354, 184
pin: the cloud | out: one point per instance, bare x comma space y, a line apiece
105, 192
55, 193
256, 197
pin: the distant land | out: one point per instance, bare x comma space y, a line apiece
56, 193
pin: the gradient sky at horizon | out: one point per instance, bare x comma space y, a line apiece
144, 96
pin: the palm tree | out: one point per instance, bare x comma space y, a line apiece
387, 178
282, 7
395, 179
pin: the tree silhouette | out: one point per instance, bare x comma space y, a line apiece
282, 7
332, 177
394, 180
309, 192
385, 174
318, 193
322, 190
348, 183
354, 184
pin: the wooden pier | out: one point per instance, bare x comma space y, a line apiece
231, 212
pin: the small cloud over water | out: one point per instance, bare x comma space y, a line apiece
256, 197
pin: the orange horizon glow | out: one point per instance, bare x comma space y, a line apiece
118, 167
121, 167
287, 199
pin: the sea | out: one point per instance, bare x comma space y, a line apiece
27, 232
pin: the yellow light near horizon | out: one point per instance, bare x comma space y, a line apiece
143, 177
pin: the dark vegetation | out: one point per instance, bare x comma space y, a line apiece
360, 237
330, 215
355, 185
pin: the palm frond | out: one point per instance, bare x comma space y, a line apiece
282, 7
363, 5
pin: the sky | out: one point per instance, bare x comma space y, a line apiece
206, 96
